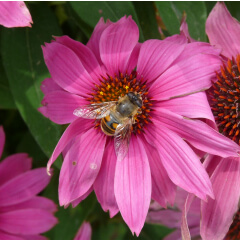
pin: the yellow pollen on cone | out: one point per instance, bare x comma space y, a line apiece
112, 89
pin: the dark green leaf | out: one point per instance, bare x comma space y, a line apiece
25, 69
6, 98
91, 12
233, 8
146, 15
29, 145
209, 6
110, 230
172, 12
150, 231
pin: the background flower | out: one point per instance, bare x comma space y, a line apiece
23, 214
84, 232
217, 214
14, 14
171, 217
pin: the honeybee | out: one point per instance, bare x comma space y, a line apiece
117, 118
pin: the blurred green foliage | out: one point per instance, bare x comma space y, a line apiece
22, 69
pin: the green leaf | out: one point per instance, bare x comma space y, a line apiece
149, 232
111, 230
172, 12
233, 8
6, 98
146, 15
91, 12
25, 68
29, 145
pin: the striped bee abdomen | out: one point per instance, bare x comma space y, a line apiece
109, 125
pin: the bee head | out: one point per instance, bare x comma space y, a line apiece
135, 98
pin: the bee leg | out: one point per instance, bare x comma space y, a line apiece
133, 119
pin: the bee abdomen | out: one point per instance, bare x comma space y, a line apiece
109, 125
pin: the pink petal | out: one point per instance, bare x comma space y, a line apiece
217, 215
181, 163
220, 22
156, 56
186, 77
27, 222
84, 232
14, 14
117, 43
48, 85
197, 48
86, 56
23, 187
191, 106
184, 29
34, 202
94, 40
163, 189
13, 166
58, 106
2, 140
81, 165
6, 236
184, 225
104, 183
211, 162
197, 133
176, 235
169, 218
75, 128
66, 69
132, 185
178, 38
132, 62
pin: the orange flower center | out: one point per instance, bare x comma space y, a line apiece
113, 88
225, 99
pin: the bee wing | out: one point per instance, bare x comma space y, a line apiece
95, 110
122, 139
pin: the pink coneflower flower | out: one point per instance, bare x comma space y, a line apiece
23, 214
14, 14
84, 232
218, 214
168, 76
225, 94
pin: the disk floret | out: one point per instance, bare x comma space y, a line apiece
112, 88
225, 99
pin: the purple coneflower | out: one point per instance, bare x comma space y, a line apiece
224, 97
23, 214
169, 75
